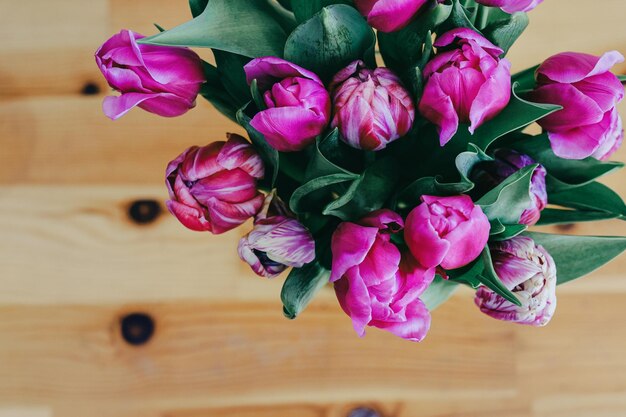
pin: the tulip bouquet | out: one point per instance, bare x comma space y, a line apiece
388, 151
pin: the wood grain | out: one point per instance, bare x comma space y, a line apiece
72, 264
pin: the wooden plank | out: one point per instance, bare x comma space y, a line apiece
212, 355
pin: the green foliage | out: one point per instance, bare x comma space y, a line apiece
438, 292
505, 31
577, 256
301, 286
490, 279
507, 201
306, 9
593, 196
550, 216
221, 26
330, 40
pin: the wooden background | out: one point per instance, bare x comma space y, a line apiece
72, 264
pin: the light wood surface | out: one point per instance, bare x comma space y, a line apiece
72, 264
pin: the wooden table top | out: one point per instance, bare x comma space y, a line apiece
73, 263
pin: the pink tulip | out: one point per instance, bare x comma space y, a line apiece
467, 84
213, 188
298, 105
446, 231
160, 79
512, 6
589, 123
389, 15
277, 241
375, 284
489, 174
529, 272
371, 107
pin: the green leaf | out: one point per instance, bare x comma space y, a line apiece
301, 286
509, 232
404, 49
505, 32
214, 91
508, 200
490, 279
468, 275
330, 40
551, 216
593, 196
577, 256
518, 114
570, 173
296, 203
460, 17
525, 79
329, 151
622, 78
197, 6
267, 153
438, 292
232, 75
242, 27
411, 194
306, 9
366, 193
257, 97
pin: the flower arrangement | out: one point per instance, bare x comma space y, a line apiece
397, 182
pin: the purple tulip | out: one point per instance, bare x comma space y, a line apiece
467, 84
446, 231
489, 174
389, 15
298, 105
588, 92
512, 6
371, 107
160, 79
213, 188
277, 241
375, 284
529, 272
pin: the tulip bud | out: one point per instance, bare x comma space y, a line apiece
389, 15
371, 107
467, 84
588, 124
375, 283
512, 6
164, 80
489, 174
446, 231
529, 272
277, 241
298, 105
213, 188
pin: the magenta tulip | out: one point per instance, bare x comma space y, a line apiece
277, 241
163, 80
467, 84
588, 93
375, 284
389, 15
446, 231
213, 188
512, 6
530, 273
489, 174
371, 107
298, 105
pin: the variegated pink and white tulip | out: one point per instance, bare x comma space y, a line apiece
371, 107
277, 241
512, 6
529, 272
214, 188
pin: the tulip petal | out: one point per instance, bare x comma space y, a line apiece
493, 96
115, 107
349, 245
437, 107
415, 327
423, 240
354, 299
289, 129
578, 109
238, 153
270, 69
467, 240
605, 89
190, 217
